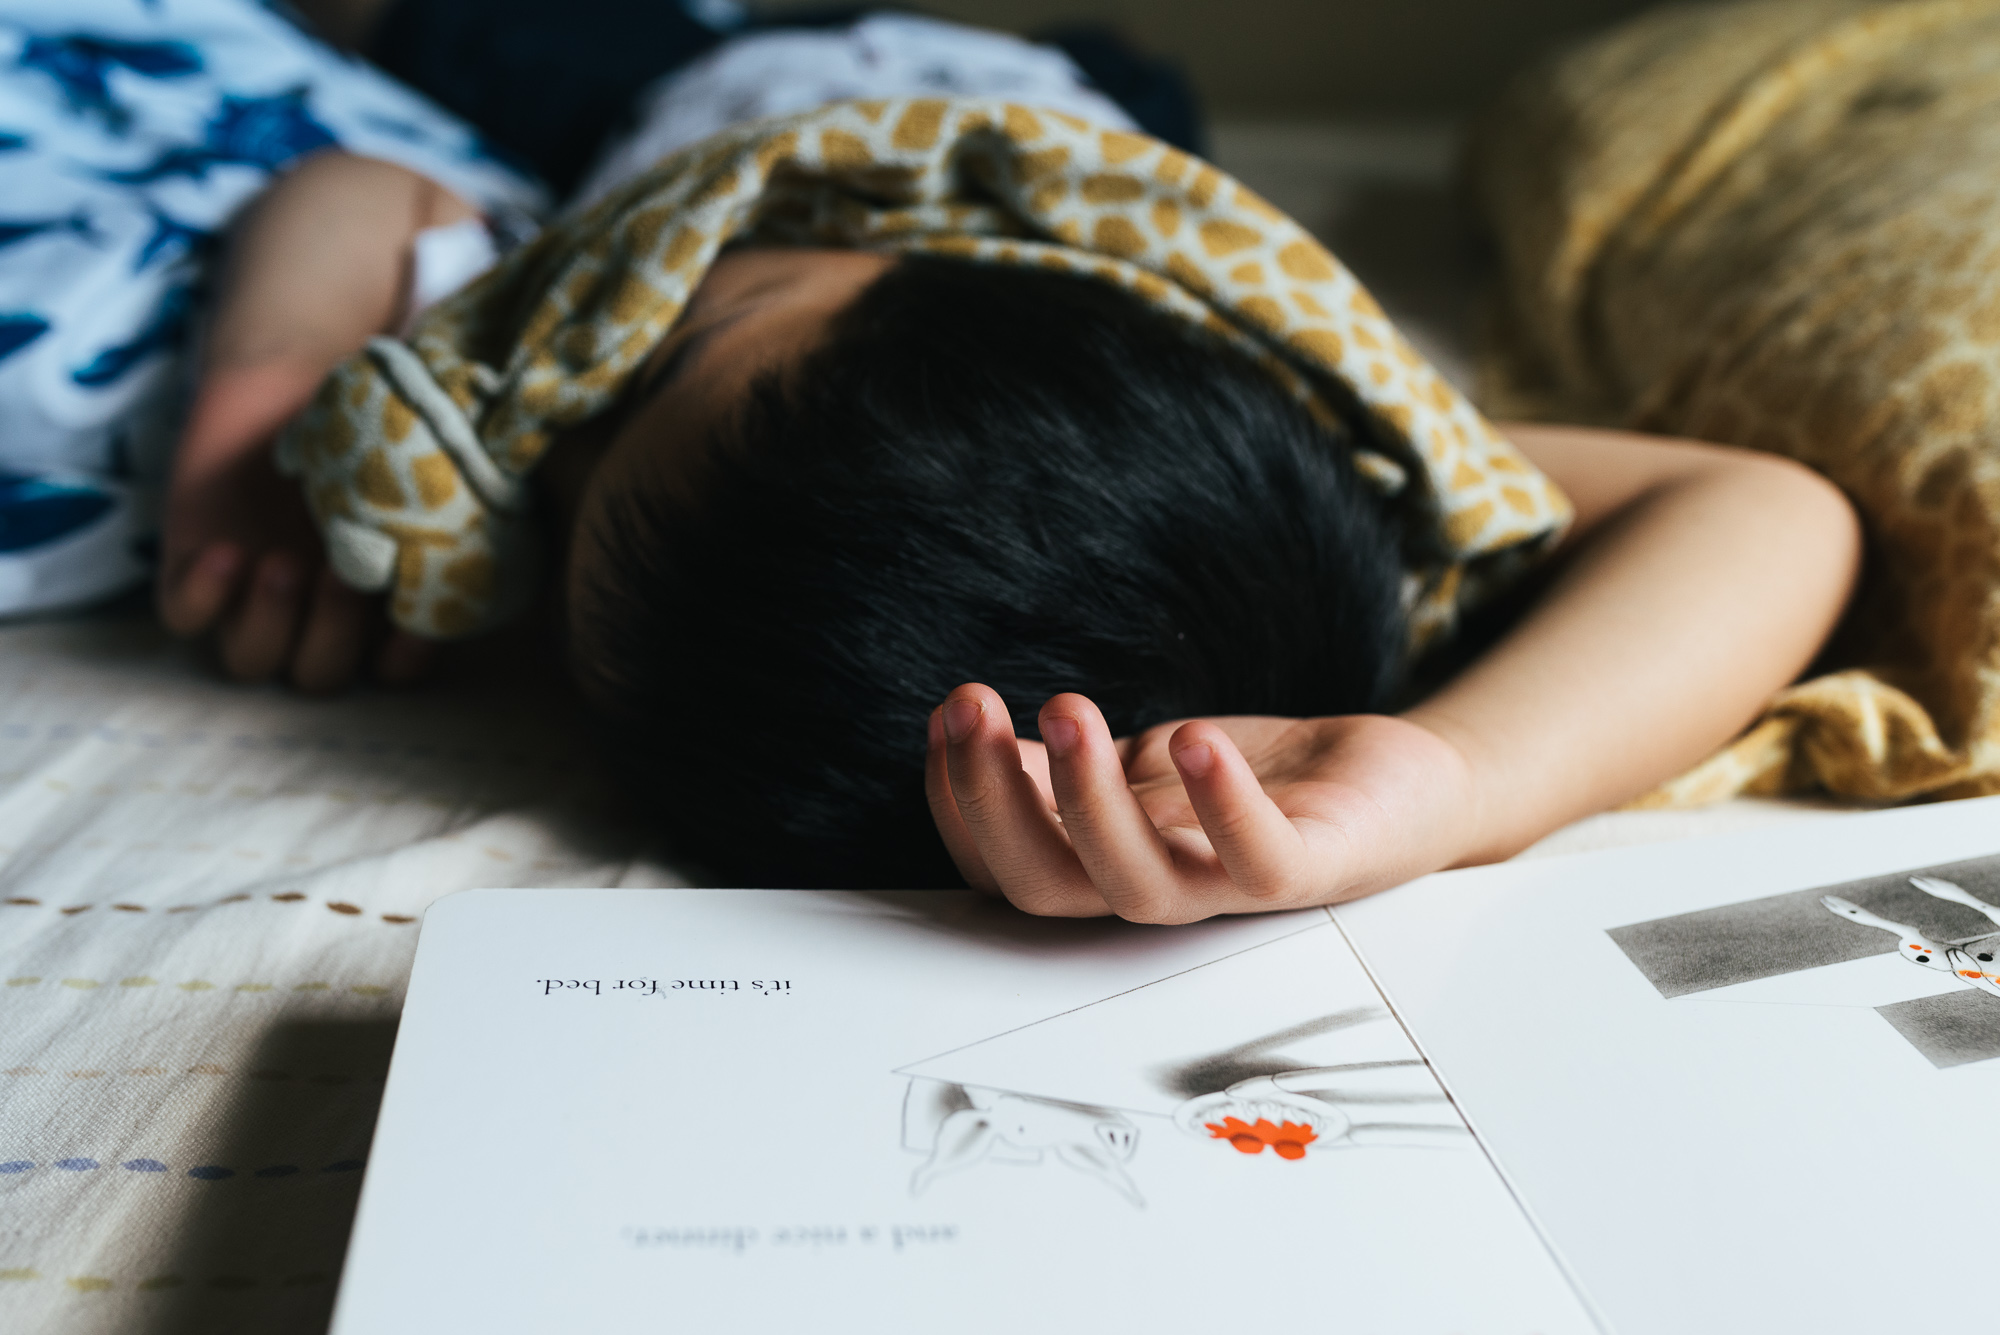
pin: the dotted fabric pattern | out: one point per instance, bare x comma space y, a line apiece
410, 462
1773, 225
209, 899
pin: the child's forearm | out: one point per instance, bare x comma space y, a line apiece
318, 266
1699, 582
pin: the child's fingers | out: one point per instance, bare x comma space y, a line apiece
336, 630
1255, 841
958, 840
197, 589
257, 639
1114, 839
1016, 833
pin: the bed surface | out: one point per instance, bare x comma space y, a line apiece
208, 903
209, 896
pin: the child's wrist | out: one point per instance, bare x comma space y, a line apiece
1463, 805
238, 407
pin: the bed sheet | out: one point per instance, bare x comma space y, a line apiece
209, 898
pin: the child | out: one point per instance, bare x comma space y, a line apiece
806, 487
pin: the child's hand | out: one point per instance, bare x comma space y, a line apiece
1191, 819
318, 265
240, 556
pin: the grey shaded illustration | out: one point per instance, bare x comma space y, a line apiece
1016, 1129
1972, 969
1263, 1055
1091, 1088
1943, 920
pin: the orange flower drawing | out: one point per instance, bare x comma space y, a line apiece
1289, 1139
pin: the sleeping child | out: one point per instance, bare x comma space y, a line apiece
939, 485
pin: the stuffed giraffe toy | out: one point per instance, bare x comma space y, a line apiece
415, 455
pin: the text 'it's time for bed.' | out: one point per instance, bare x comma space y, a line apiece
661, 987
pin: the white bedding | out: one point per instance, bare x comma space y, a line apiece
209, 898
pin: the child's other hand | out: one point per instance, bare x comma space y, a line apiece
1191, 819
240, 557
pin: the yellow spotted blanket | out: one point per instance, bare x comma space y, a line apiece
1777, 224
414, 455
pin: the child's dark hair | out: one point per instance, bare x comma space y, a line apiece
991, 474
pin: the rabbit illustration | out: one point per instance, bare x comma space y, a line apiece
1018, 1128
1974, 968
1361, 1103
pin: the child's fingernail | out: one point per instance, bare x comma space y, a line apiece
1195, 761
961, 717
1059, 734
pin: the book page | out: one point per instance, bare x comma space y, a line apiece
1744, 1083
766, 1111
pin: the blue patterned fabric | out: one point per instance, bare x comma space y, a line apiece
131, 133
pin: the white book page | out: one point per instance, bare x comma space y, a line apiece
1745, 1083
781, 1111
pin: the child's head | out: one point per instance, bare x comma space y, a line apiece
866, 481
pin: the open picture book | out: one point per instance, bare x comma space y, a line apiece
1736, 1084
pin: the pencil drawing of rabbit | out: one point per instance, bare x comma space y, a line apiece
990, 1126
1971, 960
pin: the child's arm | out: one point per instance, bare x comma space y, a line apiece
318, 266
1697, 581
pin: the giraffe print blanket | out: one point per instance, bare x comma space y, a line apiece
414, 455
1777, 224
